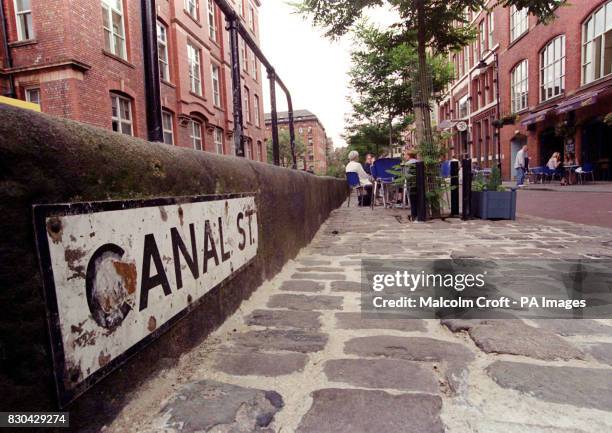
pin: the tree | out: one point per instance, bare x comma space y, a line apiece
424, 24
284, 144
336, 162
371, 138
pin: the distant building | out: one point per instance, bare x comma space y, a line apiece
555, 88
312, 133
84, 60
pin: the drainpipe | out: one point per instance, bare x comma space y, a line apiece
7, 51
151, 71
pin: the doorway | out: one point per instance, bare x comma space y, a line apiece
596, 148
549, 144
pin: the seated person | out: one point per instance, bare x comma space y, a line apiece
355, 167
370, 160
554, 162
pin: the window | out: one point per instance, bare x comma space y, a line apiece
552, 69
114, 31
597, 44
162, 51
23, 17
243, 54
167, 126
212, 20
215, 85
259, 151
195, 134
519, 86
121, 114
218, 136
466, 59
483, 37
256, 109
191, 6
247, 104
240, 4
491, 24
464, 107
251, 17
193, 57
519, 22
254, 66
33, 95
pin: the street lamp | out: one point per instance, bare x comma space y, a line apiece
483, 65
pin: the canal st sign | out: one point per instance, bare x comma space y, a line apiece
117, 274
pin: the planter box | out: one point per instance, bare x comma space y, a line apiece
494, 204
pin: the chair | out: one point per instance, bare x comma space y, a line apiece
537, 174
382, 176
586, 170
551, 174
354, 183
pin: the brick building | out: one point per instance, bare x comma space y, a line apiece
555, 88
84, 60
310, 130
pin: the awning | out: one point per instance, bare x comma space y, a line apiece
446, 124
536, 117
577, 102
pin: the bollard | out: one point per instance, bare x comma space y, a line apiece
466, 203
420, 187
454, 173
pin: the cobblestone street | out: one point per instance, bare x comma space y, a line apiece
299, 357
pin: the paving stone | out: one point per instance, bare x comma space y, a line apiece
365, 411
350, 263
488, 426
313, 276
209, 406
320, 269
601, 352
314, 262
571, 327
346, 286
305, 302
285, 319
242, 362
376, 321
514, 337
293, 340
582, 387
382, 373
302, 286
409, 348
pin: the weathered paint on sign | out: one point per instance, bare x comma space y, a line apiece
119, 273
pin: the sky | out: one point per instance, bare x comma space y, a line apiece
313, 67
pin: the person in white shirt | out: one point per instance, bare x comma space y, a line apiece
520, 164
354, 166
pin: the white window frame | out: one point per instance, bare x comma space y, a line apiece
251, 17
195, 134
162, 51
25, 25
114, 35
120, 117
519, 22
482, 28
218, 139
596, 34
244, 55
256, 109
215, 72
552, 68
491, 29
212, 20
247, 104
28, 95
519, 86
168, 128
192, 8
194, 62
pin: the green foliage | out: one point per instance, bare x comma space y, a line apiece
370, 138
336, 162
492, 183
284, 144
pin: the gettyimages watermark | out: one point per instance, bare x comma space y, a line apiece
478, 289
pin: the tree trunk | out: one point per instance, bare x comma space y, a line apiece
424, 132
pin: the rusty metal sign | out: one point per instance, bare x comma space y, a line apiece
117, 274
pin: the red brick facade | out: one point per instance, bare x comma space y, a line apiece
539, 121
68, 60
311, 132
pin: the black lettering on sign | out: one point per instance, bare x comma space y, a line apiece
211, 252
149, 282
191, 260
249, 214
225, 255
242, 243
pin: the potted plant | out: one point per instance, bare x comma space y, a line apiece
490, 200
509, 119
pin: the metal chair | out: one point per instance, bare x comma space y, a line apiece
586, 170
354, 184
382, 177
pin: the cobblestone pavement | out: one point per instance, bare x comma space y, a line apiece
299, 357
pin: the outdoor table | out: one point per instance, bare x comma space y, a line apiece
569, 169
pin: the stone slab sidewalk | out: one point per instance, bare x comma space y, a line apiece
300, 357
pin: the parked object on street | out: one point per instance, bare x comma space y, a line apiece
490, 200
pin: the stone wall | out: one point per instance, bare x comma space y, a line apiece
49, 160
